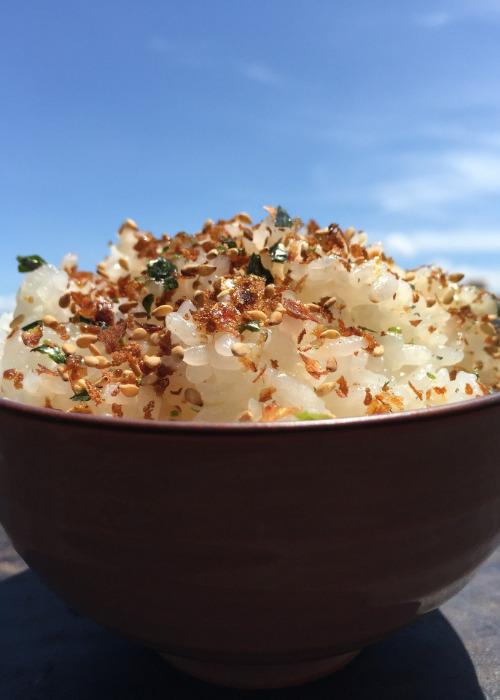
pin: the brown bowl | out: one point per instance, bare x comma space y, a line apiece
254, 555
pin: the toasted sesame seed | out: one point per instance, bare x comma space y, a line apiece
223, 294
448, 296
245, 417
409, 276
240, 349
212, 253
275, 318
430, 302
193, 396
97, 361
154, 338
128, 377
269, 290
152, 361
199, 298
80, 385
256, 315
325, 388
280, 307
140, 315
313, 307
127, 306
190, 270
139, 334
94, 349
65, 300
123, 263
85, 339
378, 351
331, 364
329, 302
129, 390
456, 277
232, 252
178, 352
16, 322
488, 328
69, 348
206, 270
330, 334
128, 223
162, 311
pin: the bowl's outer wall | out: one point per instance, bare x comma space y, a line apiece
259, 546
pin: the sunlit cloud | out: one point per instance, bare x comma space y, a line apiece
438, 241
261, 73
449, 177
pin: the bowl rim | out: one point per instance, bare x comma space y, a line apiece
148, 426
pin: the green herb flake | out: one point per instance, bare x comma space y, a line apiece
278, 252
252, 326
30, 326
28, 263
147, 303
431, 376
164, 271
55, 354
282, 218
174, 414
255, 267
439, 357
82, 395
395, 329
307, 415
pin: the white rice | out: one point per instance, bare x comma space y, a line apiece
405, 340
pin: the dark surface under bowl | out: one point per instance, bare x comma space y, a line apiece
263, 552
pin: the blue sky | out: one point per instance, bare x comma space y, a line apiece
381, 114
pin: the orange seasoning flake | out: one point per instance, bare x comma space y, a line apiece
342, 389
12, 375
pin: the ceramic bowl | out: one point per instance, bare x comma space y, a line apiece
254, 555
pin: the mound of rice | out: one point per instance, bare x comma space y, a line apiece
240, 322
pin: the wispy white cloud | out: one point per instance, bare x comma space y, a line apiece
438, 180
261, 73
434, 20
415, 243
7, 303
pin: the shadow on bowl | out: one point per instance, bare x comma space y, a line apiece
48, 652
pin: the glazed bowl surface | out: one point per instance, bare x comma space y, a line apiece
254, 555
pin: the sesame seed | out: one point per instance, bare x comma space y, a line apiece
178, 352
456, 277
330, 334
448, 296
65, 300
488, 328
313, 307
329, 302
97, 361
212, 253
128, 223
275, 318
84, 340
325, 388
199, 298
152, 361
80, 385
240, 349
269, 290
127, 306
139, 334
193, 396
430, 302
129, 390
256, 315
123, 263
69, 348
16, 322
378, 351
94, 349
206, 270
331, 364
409, 276
162, 311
